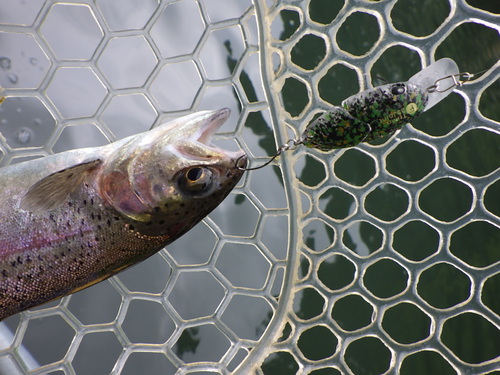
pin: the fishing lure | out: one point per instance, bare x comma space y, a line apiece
380, 111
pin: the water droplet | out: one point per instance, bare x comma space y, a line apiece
23, 135
4, 63
37, 122
19, 109
33, 61
13, 78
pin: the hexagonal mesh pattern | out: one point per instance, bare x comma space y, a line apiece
382, 258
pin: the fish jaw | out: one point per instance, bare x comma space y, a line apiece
200, 126
168, 179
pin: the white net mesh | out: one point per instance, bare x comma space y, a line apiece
380, 259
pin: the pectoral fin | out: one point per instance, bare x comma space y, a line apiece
54, 189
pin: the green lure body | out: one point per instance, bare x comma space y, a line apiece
367, 116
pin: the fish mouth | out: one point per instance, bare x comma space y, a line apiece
211, 123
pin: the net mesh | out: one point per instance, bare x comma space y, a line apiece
382, 258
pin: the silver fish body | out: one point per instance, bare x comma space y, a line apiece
70, 220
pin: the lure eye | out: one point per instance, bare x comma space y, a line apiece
196, 180
398, 90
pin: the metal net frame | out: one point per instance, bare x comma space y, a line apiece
342, 262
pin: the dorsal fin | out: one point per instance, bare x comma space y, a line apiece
54, 189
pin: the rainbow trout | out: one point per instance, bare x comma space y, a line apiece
70, 220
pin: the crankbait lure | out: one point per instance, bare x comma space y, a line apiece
380, 111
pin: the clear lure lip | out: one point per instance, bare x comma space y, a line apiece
439, 73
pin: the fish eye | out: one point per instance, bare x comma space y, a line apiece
194, 174
196, 180
398, 90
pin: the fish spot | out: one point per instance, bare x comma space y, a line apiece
4, 273
84, 202
108, 222
157, 209
69, 176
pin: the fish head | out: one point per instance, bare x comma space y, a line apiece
168, 179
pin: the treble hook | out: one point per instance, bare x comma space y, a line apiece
291, 144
